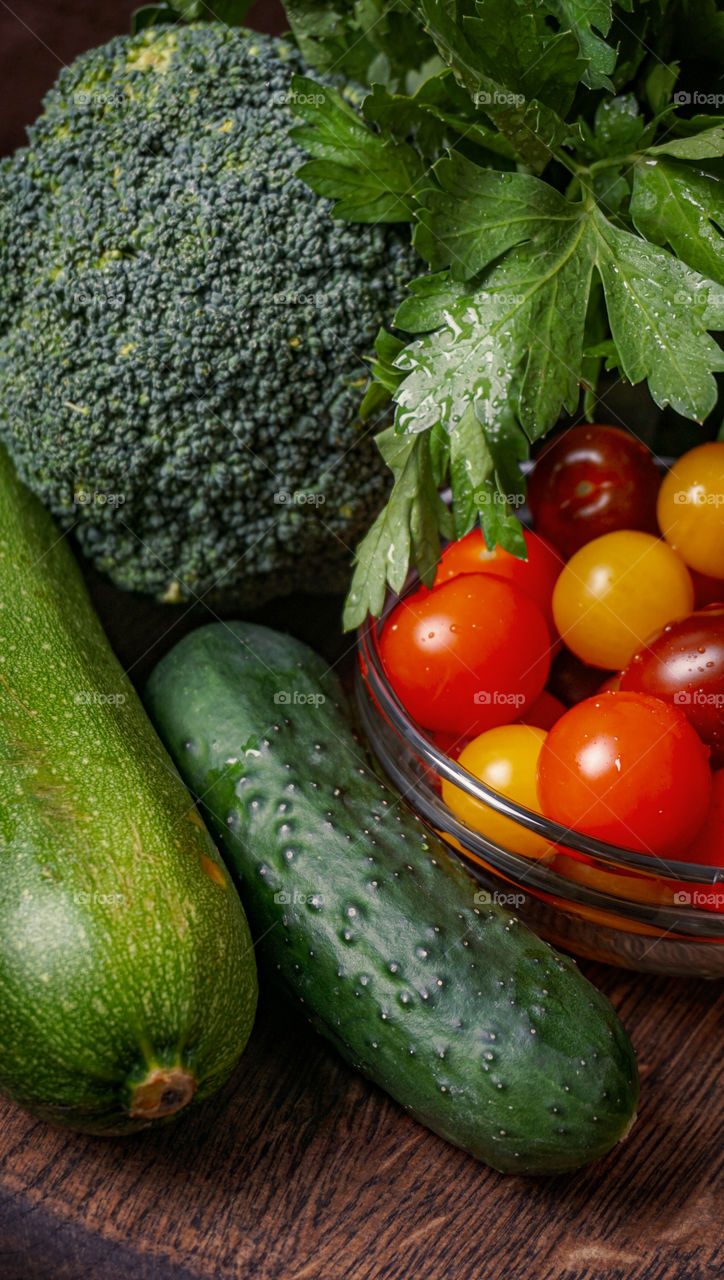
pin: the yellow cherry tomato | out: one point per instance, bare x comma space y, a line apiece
505, 759
616, 592
690, 508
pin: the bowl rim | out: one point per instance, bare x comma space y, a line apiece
431, 755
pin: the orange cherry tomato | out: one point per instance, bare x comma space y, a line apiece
616, 592
691, 508
506, 760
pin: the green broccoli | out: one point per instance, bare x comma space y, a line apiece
183, 326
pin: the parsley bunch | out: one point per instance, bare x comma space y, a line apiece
560, 162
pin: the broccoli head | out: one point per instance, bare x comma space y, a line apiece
183, 326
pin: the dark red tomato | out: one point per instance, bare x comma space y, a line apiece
536, 575
628, 769
468, 655
684, 664
707, 590
708, 847
589, 481
544, 711
451, 744
572, 680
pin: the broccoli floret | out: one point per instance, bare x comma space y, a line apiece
183, 326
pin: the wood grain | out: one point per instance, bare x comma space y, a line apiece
301, 1170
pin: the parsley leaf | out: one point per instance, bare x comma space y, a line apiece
679, 205
371, 179
516, 69
571, 219
407, 529
582, 16
369, 41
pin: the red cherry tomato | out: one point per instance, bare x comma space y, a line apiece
451, 744
616, 592
708, 847
544, 712
691, 508
684, 664
589, 481
612, 684
572, 680
629, 770
706, 590
469, 655
536, 576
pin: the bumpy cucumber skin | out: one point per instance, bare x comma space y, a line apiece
123, 943
476, 1026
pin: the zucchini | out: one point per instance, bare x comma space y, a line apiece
476, 1026
127, 976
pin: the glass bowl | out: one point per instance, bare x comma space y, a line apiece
591, 898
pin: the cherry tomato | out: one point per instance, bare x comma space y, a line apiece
468, 655
629, 770
707, 848
544, 712
684, 664
589, 481
616, 592
706, 590
612, 684
451, 744
633, 886
691, 508
505, 759
572, 680
536, 576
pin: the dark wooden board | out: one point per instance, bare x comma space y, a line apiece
300, 1170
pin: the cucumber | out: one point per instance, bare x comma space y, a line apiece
476, 1026
127, 975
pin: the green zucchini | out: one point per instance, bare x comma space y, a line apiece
476, 1026
127, 975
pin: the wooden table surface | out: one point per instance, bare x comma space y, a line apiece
301, 1170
